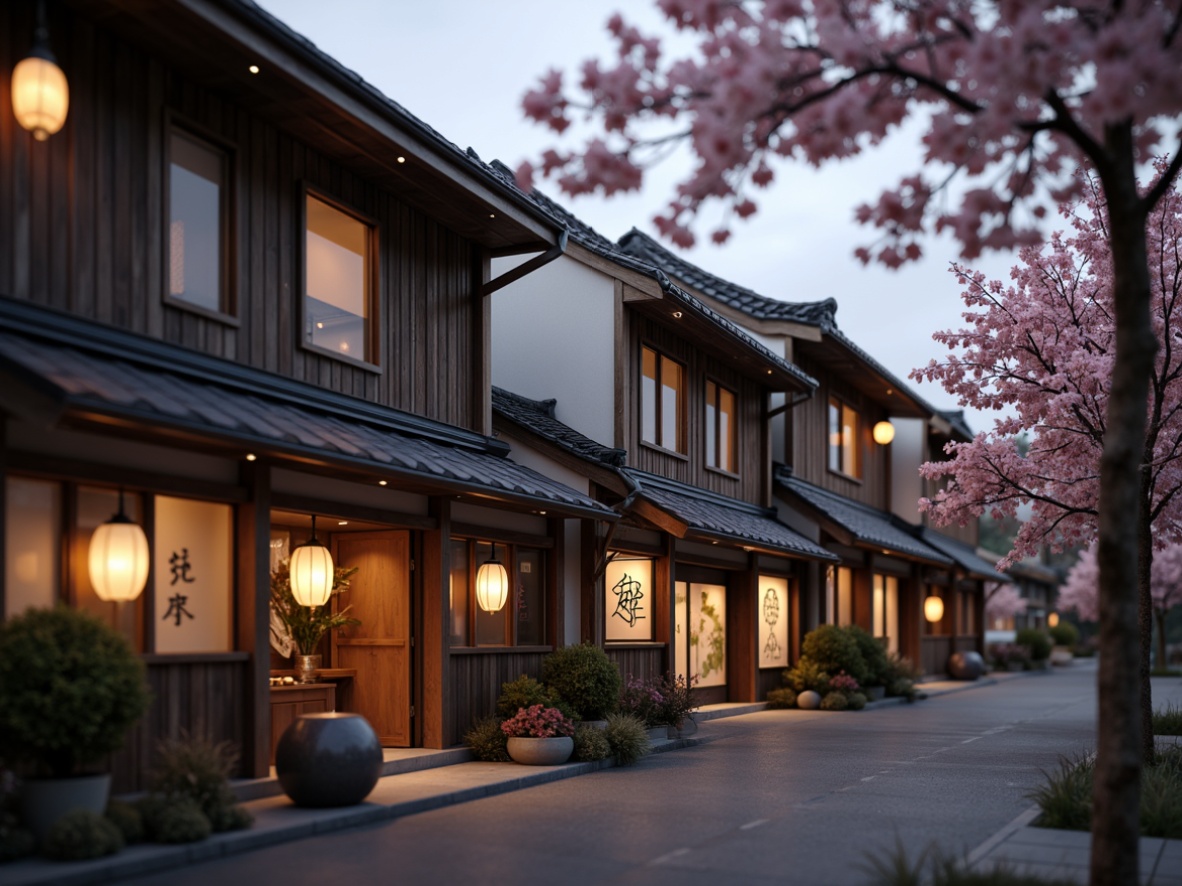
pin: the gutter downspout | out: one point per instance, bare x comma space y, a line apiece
601, 557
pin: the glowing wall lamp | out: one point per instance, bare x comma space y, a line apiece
118, 558
492, 584
883, 433
1053, 620
40, 94
311, 571
933, 609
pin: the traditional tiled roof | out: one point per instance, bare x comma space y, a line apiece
87, 370
713, 516
821, 314
868, 526
594, 242
960, 425
538, 416
964, 555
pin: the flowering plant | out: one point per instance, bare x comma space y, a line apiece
537, 721
843, 682
659, 701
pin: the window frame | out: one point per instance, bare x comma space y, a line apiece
681, 450
713, 433
840, 468
508, 554
372, 338
227, 314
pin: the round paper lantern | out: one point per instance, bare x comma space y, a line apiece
933, 608
492, 584
40, 94
884, 433
118, 559
311, 572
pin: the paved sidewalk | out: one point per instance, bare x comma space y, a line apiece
419, 780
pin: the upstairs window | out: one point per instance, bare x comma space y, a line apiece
662, 399
199, 222
843, 439
720, 428
339, 282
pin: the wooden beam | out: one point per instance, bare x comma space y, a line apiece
434, 724
253, 530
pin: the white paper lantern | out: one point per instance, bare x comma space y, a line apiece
492, 584
311, 572
118, 559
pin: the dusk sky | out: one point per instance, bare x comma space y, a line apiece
462, 66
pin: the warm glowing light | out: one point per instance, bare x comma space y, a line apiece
884, 433
381, 482
311, 572
254, 69
40, 94
401, 159
1053, 620
492, 584
118, 559
933, 608
677, 315
250, 456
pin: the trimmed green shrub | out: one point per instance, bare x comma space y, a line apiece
781, 698
199, 769
585, 678
175, 819
525, 692
836, 701
834, 649
127, 819
1065, 799
874, 654
627, 737
807, 674
591, 744
70, 689
80, 835
488, 742
856, 701
1036, 641
901, 676
1065, 634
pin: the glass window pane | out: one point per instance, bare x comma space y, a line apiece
458, 592
491, 627
845, 596
726, 430
671, 405
195, 199
834, 436
32, 544
849, 441
648, 397
711, 424
530, 598
336, 274
879, 607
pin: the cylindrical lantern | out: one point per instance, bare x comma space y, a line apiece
40, 94
118, 558
311, 572
492, 584
1053, 620
883, 433
933, 608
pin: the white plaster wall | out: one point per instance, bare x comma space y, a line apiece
907, 454
530, 458
553, 336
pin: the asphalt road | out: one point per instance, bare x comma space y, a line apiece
777, 797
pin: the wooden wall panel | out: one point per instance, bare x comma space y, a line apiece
82, 229
748, 485
475, 684
203, 700
643, 663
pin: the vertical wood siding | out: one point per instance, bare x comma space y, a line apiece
641, 663
475, 684
82, 230
699, 368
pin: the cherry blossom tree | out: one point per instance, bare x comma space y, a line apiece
1080, 590
1003, 603
1012, 96
1043, 348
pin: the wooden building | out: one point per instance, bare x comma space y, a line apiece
620, 383
241, 288
844, 482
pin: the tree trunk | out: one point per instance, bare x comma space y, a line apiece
1145, 613
1162, 663
1117, 791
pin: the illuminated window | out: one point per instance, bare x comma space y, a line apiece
843, 439
629, 600
522, 620
339, 282
720, 428
886, 611
839, 591
199, 222
662, 399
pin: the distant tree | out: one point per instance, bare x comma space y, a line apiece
1003, 603
1080, 590
1012, 96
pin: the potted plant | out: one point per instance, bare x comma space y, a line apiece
307, 625
71, 688
662, 703
539, 736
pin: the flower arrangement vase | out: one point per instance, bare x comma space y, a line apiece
307, 665
541, 751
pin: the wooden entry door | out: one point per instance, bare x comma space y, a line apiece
379, 648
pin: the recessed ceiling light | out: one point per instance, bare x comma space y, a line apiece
342, 522
677, 315
250, 456
254, 69
492, 215
401, 159
381, 482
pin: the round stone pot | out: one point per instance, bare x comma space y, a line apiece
808, 700
541, 751
966, 665
328, 760
44, 800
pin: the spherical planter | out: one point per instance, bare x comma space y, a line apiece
44, 800
541, 751
808, 700
328, 760
966, 665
